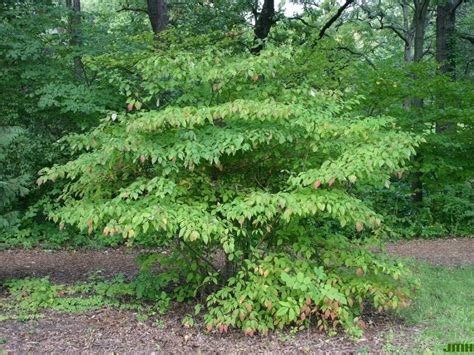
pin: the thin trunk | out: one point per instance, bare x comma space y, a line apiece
417, 183
420, 20
76, 34
158, 15
408, 39
408, 30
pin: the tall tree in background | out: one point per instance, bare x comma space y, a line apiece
76, 34
420, 19
411, 28
445, 35
157, 11
446, 45
264, 20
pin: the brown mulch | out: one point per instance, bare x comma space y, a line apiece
66, 266
110, 330
447, 252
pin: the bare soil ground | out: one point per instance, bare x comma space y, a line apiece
110, 330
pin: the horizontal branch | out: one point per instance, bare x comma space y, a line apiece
134, 9
350, 50
467, 37
304, 22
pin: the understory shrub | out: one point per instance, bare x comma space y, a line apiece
240, 165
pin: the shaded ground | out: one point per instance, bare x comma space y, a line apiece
447, 252
66, 266
111, 330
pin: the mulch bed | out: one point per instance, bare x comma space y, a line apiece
446, 252
66, 266
110, 330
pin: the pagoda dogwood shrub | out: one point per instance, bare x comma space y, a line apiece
229, 154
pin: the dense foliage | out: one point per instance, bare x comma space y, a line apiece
257, 149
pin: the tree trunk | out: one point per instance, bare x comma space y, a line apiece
446, 46
420, 20
419, 24
76, 34
408, 30
264, 22
158, 15
445, 38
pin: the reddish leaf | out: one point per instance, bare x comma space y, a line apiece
316, 185
249, 332
327, 314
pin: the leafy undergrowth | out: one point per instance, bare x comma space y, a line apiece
443, 306
30, 298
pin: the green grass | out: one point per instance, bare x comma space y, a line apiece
444, 306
